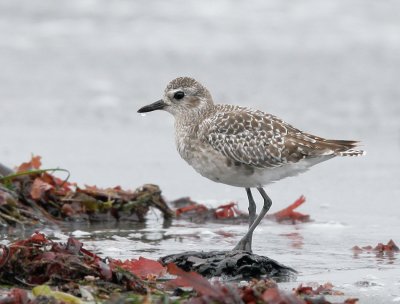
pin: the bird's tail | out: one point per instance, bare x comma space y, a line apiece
346, 147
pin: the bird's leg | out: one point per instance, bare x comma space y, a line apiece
252, 213
252, 207
245, 242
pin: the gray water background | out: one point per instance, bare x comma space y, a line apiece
73, 74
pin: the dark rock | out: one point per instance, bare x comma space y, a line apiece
232, 265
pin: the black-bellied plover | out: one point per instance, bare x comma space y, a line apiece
239, 146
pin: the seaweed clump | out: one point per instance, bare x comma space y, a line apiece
30, 195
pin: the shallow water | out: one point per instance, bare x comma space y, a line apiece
74, 73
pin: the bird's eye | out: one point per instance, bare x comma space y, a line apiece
179, 95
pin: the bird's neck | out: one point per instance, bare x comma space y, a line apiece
186, 127
189, 120
187, 132
185, 136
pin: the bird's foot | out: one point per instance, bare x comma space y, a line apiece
244, 244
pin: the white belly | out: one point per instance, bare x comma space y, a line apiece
215, 166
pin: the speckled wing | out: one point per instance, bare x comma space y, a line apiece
263, 140
248, 137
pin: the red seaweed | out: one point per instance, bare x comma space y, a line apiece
289, 215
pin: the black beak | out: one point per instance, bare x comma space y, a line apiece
158, 105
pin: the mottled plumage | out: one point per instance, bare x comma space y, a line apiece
240, 146
263, 140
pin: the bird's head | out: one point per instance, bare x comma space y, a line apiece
182, 96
